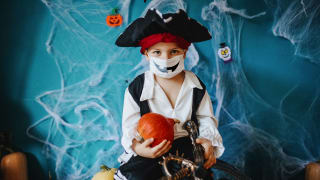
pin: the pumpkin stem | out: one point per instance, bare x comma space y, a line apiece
115, 11
104, 167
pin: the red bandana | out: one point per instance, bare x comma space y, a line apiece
162, 37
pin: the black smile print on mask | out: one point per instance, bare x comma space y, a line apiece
165, 70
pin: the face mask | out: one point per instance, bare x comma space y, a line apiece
167, 68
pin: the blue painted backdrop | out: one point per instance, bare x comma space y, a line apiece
63, 79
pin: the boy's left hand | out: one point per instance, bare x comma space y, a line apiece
208, 152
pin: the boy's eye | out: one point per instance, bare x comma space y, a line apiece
174, 51
156, 52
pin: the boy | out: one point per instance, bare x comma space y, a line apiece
166, 89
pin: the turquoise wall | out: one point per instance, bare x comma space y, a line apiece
25, 26
63, 79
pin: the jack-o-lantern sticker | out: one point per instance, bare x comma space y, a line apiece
114, 19
224, 53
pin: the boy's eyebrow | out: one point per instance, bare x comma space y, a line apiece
169, 49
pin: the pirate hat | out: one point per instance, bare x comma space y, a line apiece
154, 22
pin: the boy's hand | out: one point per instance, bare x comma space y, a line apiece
145, 150
208, 152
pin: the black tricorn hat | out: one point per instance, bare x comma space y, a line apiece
154, 22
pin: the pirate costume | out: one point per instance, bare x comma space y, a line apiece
145, 95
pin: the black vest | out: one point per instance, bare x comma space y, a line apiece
136, 86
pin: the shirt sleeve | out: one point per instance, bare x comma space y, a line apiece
209, 124
130, 118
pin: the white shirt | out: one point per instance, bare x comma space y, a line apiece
159, 103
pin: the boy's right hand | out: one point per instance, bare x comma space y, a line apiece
145, 150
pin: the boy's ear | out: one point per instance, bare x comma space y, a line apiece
185, 54
146, 54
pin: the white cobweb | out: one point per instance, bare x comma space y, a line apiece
299, 23
255, 132
83, 127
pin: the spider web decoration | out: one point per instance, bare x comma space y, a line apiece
83, 127
258, 128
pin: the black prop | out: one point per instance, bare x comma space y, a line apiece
196, 169
198, 151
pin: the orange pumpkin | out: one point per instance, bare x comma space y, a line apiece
156, 126
114, 19
14, 166
312, 171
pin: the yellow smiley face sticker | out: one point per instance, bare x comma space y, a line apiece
224, 52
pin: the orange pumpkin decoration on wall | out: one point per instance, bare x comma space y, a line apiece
114, 19
156, 126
